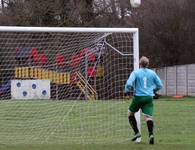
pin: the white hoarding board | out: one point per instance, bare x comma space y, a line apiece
30, 89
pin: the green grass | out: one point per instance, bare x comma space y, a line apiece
50, 125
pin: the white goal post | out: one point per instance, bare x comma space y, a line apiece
80, 65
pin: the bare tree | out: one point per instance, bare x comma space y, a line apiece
167, 31
167, 28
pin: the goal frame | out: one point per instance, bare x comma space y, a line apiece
134, 31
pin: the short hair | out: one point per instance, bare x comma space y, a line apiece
144, 62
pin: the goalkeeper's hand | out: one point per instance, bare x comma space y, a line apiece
127, 95
156, 95
128, 92
127, 88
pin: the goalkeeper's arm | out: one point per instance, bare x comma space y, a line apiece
129, 83
159, 85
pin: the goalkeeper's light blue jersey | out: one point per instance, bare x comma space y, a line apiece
144, 81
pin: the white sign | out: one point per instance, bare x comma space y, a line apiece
30, 89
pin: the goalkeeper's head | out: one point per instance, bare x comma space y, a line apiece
144, 62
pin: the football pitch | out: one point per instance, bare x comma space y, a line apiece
87, 125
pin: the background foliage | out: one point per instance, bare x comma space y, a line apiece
167, 30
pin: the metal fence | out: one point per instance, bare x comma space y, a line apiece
177, 80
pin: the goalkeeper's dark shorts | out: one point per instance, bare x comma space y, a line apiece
145, 103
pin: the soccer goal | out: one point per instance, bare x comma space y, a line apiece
65, 85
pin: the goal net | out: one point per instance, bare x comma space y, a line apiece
65, 85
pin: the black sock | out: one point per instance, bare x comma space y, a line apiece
150, 125
133, 123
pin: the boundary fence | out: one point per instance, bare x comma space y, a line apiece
177, 80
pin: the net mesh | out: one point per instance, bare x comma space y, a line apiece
87, 73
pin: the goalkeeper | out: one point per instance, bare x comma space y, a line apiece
145, 82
